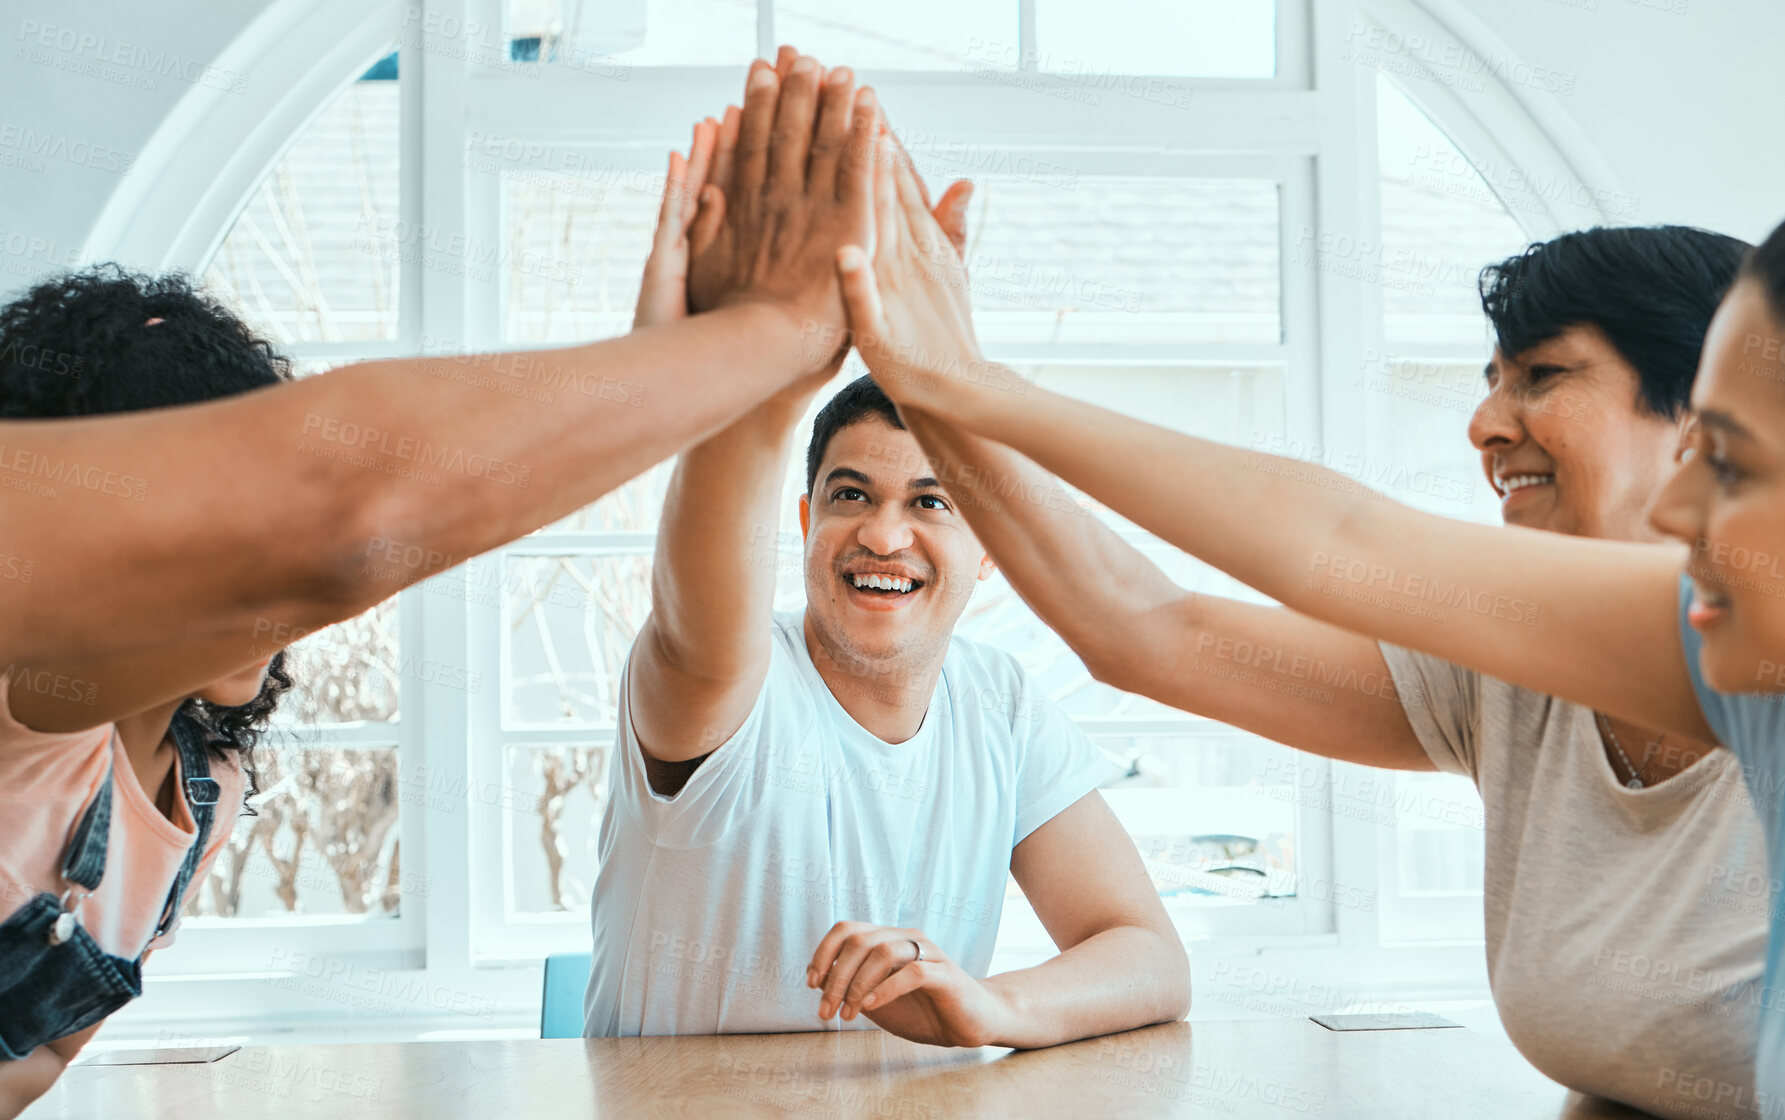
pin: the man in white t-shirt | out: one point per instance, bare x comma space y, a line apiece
813, 815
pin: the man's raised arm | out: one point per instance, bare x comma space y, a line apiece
703, 653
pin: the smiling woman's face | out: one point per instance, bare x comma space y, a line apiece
1727, 499
1565, 441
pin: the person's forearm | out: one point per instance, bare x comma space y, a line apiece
27, 1079
1117, 980
341, 489
1208, 498
1265, 669
1552, 612
1089, 585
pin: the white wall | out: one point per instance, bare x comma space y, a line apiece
1681, 106
1684, 105
111, 74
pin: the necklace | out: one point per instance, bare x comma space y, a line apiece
1635, 781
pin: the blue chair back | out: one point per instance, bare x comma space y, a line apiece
561, 1005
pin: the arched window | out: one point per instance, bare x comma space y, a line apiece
1178, 216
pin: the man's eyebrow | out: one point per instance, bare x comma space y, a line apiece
925, 483
848, 473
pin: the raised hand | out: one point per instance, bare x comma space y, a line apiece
872, 970
907, 295
791, 182
663, 293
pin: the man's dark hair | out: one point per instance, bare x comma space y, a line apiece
861, 399
81, 345
1765, 265
1651, 290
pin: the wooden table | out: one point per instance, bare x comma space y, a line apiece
1280, 1068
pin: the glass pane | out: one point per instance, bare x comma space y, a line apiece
611, 36
313, 255
1212, 811
1420, 414
576, 246
570, 621
323, 840
554, 800
1440, 225
997, 616
1440, 839
1233, 404
912, 35
1206, 38
349, 671
1124, 260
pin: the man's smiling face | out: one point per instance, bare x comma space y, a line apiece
890, 561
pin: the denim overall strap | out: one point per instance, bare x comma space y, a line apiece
83, 860
201, 792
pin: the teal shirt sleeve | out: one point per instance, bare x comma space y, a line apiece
1752, 726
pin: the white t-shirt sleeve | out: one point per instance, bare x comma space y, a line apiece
725, 786
1443, 703
1056, 763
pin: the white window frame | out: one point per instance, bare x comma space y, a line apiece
1315, 139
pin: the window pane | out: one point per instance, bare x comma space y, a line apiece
553, 800
1213, 813
997, 616
1124, 260
1440, 225
323, 840
1420, 412
1229, 403
576, 246
1205, 38
912, 35
347, 672
570, 622
610, 36
313, 256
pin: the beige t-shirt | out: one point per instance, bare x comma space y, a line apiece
1626, 936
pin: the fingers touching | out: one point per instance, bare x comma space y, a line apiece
951, 214
832, 135
700, 162
725, 146
761, 96
792, 138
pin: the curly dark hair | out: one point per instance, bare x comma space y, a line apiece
81, 345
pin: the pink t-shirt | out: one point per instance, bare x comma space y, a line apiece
46, 781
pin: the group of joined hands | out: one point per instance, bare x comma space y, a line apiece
805, 201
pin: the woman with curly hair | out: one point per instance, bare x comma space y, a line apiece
140, 804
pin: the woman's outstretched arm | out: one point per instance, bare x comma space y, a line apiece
1591, 621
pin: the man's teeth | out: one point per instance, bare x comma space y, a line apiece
883, 583
1520, 481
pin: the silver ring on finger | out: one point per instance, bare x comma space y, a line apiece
916, 946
